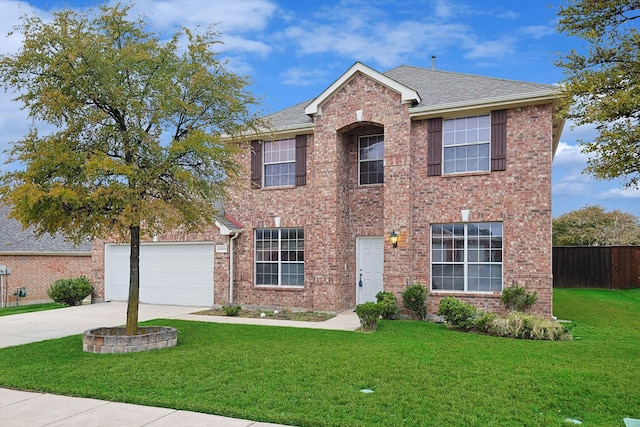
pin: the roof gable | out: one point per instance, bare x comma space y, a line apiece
408, 94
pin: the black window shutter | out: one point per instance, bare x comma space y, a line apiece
434, 147
301, 160
499, 140
256, 164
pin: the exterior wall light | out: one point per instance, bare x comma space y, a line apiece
393, 237
464, 215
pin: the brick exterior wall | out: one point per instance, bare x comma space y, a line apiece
334, 210
37, 272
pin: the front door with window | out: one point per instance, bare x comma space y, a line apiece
370, 255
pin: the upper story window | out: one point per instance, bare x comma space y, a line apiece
371, 159
280, 163
467, 144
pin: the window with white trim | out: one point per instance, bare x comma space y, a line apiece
279, 257
280, 163
467, 144
371, 159
466, 257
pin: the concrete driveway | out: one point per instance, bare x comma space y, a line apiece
43, 325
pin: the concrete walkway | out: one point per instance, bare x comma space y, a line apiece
19, 408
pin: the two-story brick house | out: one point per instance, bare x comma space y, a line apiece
457, 166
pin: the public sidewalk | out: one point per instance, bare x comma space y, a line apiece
26, 409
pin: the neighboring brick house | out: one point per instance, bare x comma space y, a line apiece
35, 263
457, 166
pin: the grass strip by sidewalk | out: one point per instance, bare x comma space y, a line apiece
422, 374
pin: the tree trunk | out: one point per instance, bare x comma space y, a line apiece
134, 281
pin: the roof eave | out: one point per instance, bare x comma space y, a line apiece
452, 109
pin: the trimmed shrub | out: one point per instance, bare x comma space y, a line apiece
369, 313
389, 304
529, 326
458, 313
516, 298
231, 310
70, 291
516, 324
414, 299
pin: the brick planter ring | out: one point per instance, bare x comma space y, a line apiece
116, 340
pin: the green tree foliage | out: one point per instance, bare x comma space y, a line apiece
139, 146
603, 85
592, 226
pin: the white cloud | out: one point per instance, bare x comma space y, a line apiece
303, 77
538, 31
233, 16
571, 188
383, 43
9, 18
568, 154
443, 9
509, 15
490, 49
619, 193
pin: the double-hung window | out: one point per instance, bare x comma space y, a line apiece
467, 144
371, 159
466, 257
279, 257
280, 163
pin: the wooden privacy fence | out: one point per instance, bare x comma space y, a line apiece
605, 267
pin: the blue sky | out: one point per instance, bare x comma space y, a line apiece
294, 49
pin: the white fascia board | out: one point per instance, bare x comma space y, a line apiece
408, 95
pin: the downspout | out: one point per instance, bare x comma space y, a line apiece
235, 236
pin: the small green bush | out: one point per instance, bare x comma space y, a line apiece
483, 321
369, 312
516, 298
458, 313
389, 304
414, 299
231, 310
70, 291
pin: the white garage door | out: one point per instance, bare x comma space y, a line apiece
170, 273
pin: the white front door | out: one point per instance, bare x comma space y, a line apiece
369, 259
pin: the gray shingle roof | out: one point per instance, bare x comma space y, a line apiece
436, 89
440, 88
13, 239
290, 116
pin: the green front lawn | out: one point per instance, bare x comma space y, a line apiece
27, 308
421, 374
